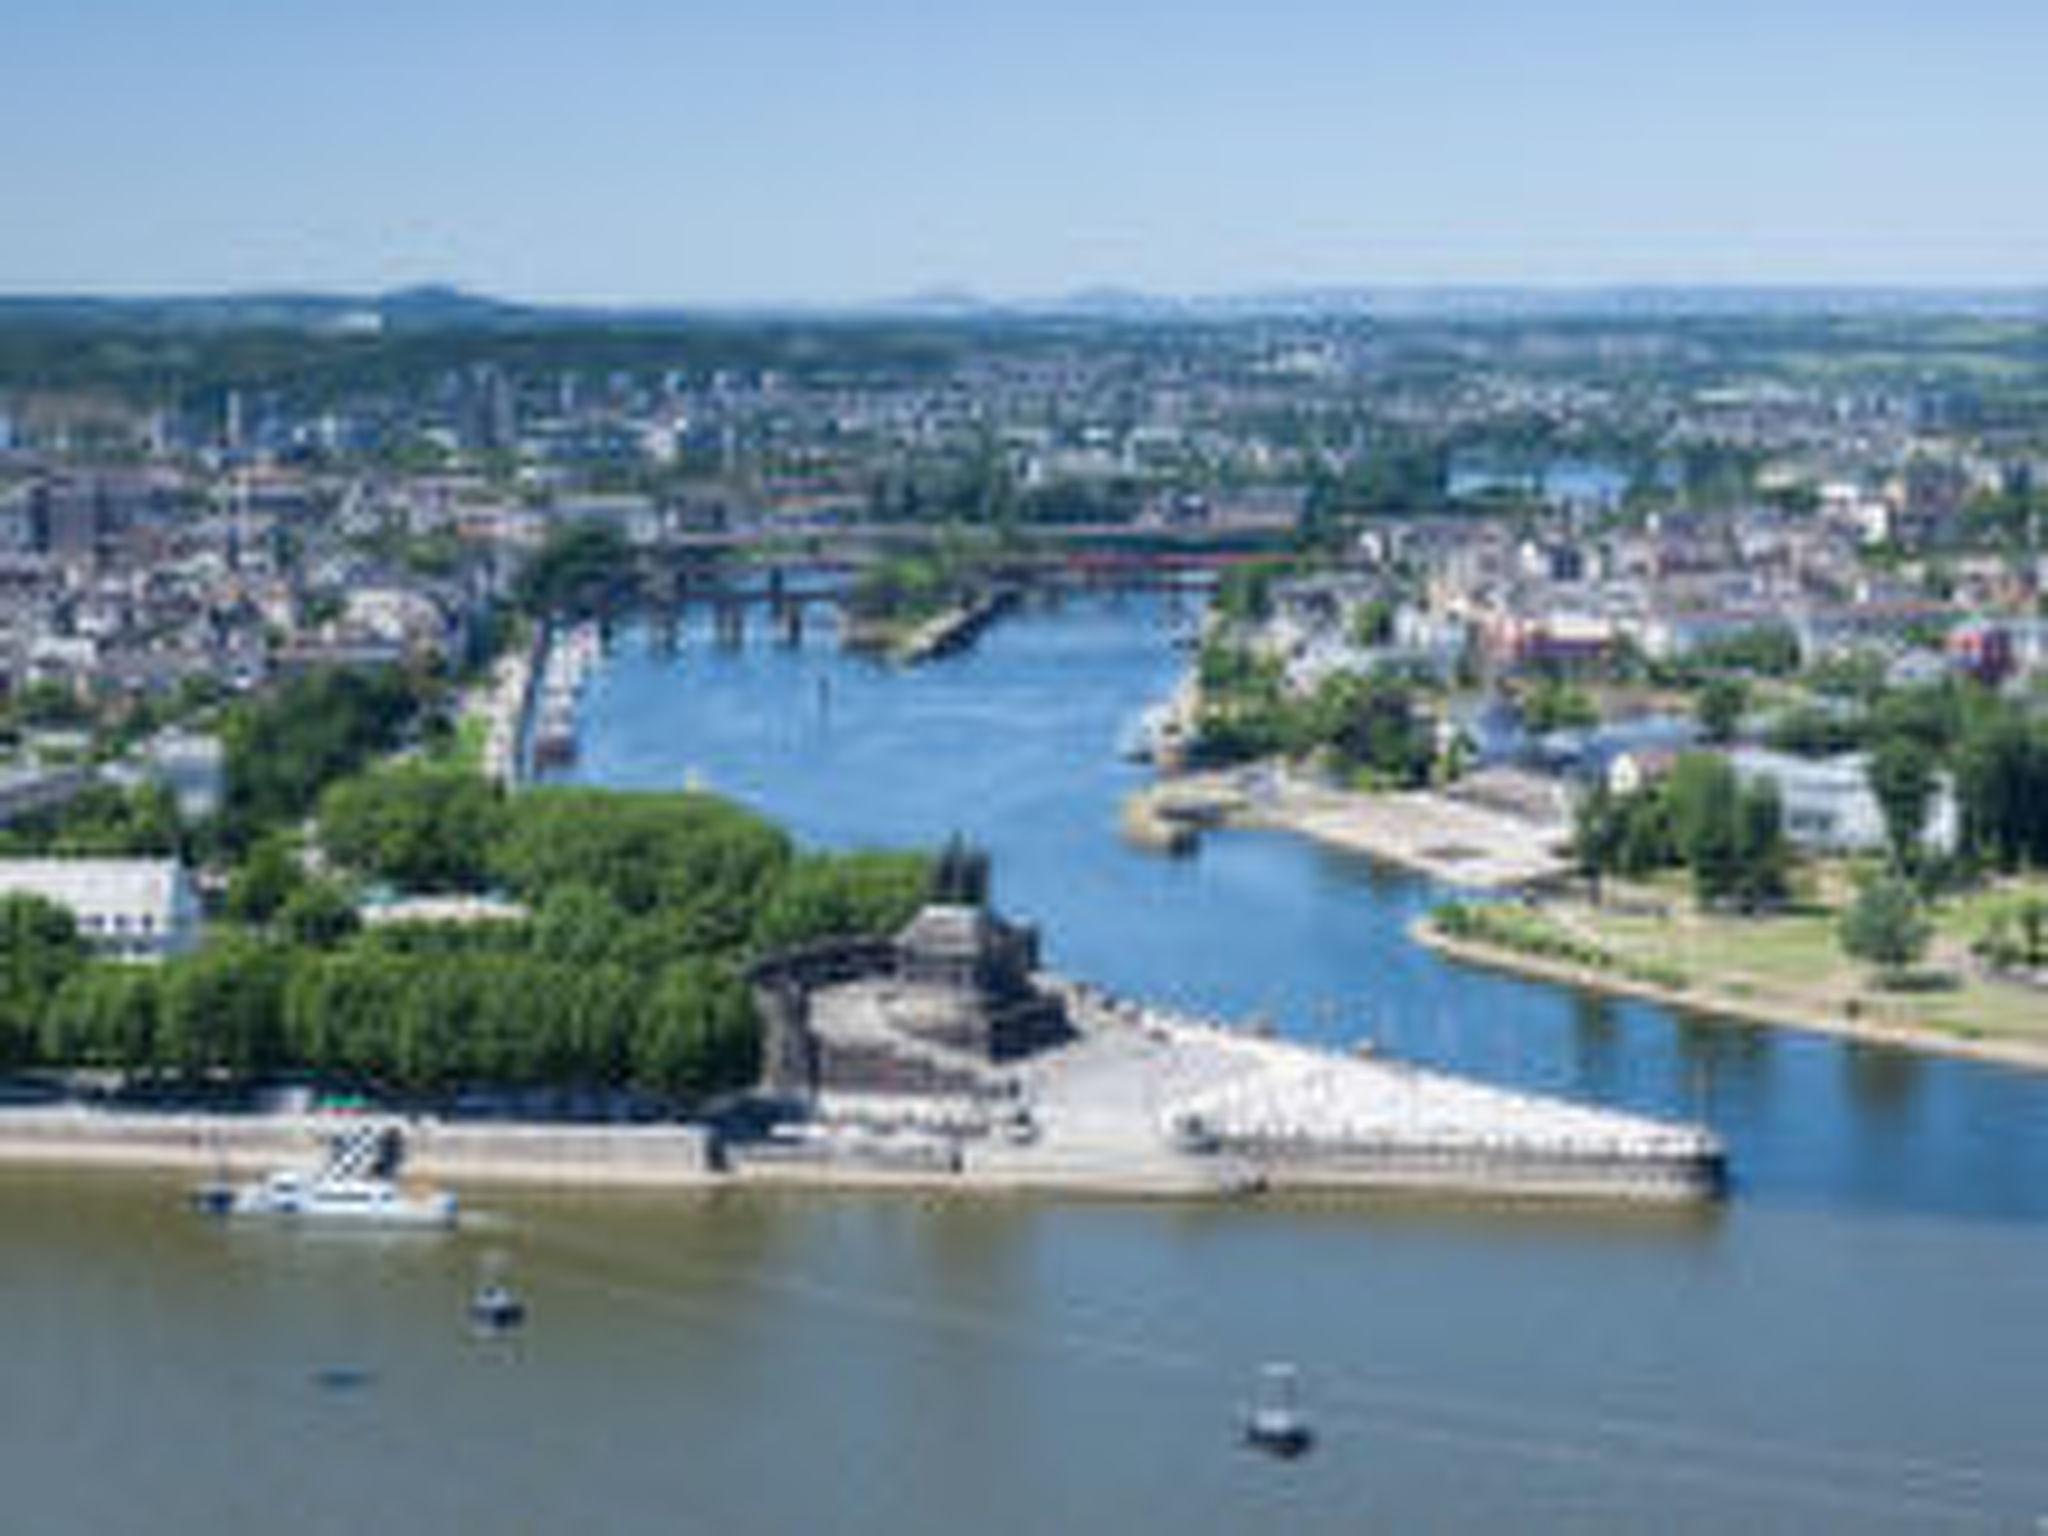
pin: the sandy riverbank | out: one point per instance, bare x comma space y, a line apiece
1777, 1012
1442, 836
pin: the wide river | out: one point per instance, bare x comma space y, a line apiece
1857, 1341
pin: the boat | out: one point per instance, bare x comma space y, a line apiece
494, 1307
356, 1185
1275, 1423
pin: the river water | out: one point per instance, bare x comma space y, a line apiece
1858, 1340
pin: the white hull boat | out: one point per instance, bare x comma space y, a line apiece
354, 1187
295, 1196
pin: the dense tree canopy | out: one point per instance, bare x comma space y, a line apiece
284, 749
420, 828
1730, 835
630, 975
39, 951
582, 569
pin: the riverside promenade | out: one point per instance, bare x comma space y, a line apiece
1130, 1099
247, 1145
1141, 1101
1281, 1115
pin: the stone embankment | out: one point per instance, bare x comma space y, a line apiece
245, 1146
1301, 1117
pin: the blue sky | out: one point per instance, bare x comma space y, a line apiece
807, 150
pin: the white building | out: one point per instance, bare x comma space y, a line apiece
1829, 806
127, 909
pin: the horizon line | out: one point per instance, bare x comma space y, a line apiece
964, 296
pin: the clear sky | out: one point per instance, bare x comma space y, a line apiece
833, 150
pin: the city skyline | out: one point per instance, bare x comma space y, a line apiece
808, 154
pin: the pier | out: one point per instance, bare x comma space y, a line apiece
950, 630
505, 705
568, 660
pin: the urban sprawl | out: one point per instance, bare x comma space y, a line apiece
1717, 631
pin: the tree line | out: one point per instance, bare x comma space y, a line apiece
1700, 817
1365, 723
642, 912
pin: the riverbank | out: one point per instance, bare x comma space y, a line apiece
1452, 836
1740, 997
1138, 1101
494, 715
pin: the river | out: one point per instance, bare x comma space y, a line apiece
1854, 1341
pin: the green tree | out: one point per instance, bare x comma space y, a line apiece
642, 851
421, 828
697, 1034
1553, 705
1761, 853
1902, 778
583, 569
828, 896
577, 923
2031, 917
1706, 823
1885, 925
223, 1009
282, 750
40, 950
1598, 826
1721, 704
318, 915
2002, 789
1373, 623
103, 1016
265, 881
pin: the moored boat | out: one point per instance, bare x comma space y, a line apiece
354, 1186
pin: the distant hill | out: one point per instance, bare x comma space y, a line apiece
421, 308
433, 307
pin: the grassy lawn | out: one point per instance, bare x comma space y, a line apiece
1795, 959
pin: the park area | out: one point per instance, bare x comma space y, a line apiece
1786, 966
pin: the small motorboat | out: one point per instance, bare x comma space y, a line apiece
494, 1307
1275, 1423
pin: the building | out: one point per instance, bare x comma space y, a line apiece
126, 909
1828, 804
37, 791
1983, 652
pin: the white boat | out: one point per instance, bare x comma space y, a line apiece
312, 1197
353, 1187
